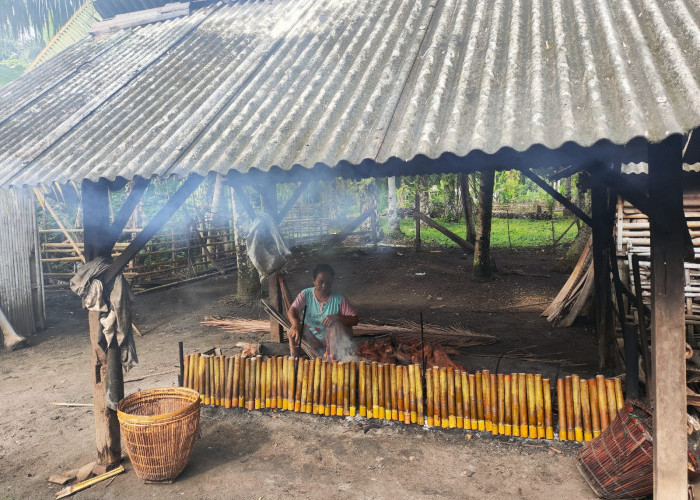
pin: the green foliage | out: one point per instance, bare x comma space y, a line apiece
11, 69
35, 18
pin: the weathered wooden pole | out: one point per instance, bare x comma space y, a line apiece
416, 207
668, 320
482, 246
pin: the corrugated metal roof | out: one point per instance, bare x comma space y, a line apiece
110, 8
289, 85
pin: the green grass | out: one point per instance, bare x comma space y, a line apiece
523, 232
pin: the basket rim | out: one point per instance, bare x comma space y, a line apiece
190, 394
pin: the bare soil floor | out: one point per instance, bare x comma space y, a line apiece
268, 454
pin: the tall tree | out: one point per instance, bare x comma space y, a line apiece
482, 247
467, 206
35, 18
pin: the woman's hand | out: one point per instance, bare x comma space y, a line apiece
293, 333
331, 318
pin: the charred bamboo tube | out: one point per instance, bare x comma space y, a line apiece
595, 413
304, 373
317, 386
310, 382
419, 394
507, 406
380, 387
280, 382
568, 393
215, 370
548, 427
340, 389
501, 403
539, 406
515, 415
619, 398
236, 380
394, 393
346, 389
353, 390
399, 394
322, 389
465, 400
207, 369
561, 408
486, 382
362, 388
186, 373
268, 383
459, 409
428, 397
412, 399
202, 376
494, 404
473, 410
258, 381
480, 402
444, 415
249, 383
602, 402
586, 411
285, 383
406, 395
329, 389
436, 397
387, 391
522, 403
242, 384
334, 388
531, 406
576, 398
229, 383
451, 403
273, 382
612, 400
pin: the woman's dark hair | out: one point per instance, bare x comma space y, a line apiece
324, 268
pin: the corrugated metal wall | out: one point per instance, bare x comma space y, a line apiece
21, 281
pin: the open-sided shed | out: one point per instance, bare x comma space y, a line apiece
270, 91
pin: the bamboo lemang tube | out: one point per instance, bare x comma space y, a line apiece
229, 382
419, 394
515, 415
194, 372
329, 389
486, 382
242, 384
586, 411
273, 382
361, 388
619, 398
235, 380
207, 368
473, 413
322, 389
394, 392
548, 427
480, 402
444, 416
311, 376
595, 413
501, 403
375, 389
451, 403
249, 378
222, 378
399, 393
215, 384
406, 395
576, 398
291, 383
268, 383
412, 399
346, 389
459, 409
190, 379
285, 383
280, 382
569, 396
522, 403
317, 386
258, 381
561, 408
531, 406
428, 397
387, 391
340, 389
301, 385
353, 390
202, 377
381, 388
612, 401
539, 406
212, 381
507, 406
602, 402
436, 397
304, 399
465, 400
260, 402
186, 372
494, 404
334, 388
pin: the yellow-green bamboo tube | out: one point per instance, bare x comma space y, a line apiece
522, 403
329, 389
317, 386
501, 403
250, 383
202, 376
394, 395
451, 404
268, 384
399, 393
507, 406
189, 370
300, 381
228, 363
322, 389
459, 408
387, 392
465, 400
473, 411
561, 407
242, 384
576, 398
273, 382
207, 379
515, 399
369, 389
531, 406
334, 388
186, 372
539, 406
419, 394
285, 383
436, 397
428, 397
493, 385
586, 411
236, 380
362, 388
341, 389
263, 382
569, 394
412, 394
406, 395
480, 402
194, 371
595, 413
353, 390
280, 382
222, 378
218, 375
382, 394
548, 427
612, 400
311, 375
486, 382
258, 381
292, 384
346, 388
215, 370
444, 413
602, 402
212, 381
375, 390
619, 398
304, 374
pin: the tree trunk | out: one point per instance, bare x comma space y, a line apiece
467, 207
393, 216
482, 249
567, 193
248, 280
449, 198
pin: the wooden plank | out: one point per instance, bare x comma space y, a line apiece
668, 321
574, 277
557, 196
430, 222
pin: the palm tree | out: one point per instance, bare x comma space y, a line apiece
35, 18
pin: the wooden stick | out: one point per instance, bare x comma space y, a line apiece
346, 388
515, 415
522, 403
561, 408
586, 411
612, 400
531, 406
486, 382
602, 402
473, 409
619, 398
362, 389
539, 406
459, 408
86, 405
69, 490
412, 394
444, 415
507, 405
387, 392
568, 393
419, 393
353, 390
480, 402
394, 393
595, 413
317, 386
451, 404
406, 395
436, 397
428, 397
501, 410
548, 427
494, 404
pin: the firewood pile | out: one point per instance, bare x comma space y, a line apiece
395, 351
573, 299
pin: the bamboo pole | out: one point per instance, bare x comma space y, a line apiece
465, 400
576, 397
429, 397
214, 380
406, 395
247, 380
619, 398
451, 404
480, 402
531, 406
236, 376
242, 384
300, 383
368, 389
459, 408
586, 411
291, 384
222, 379
612, 401
387, 392
412, 394
595, 413
362, 389
436, 397
317, 386
394, 395
507, 405
493, 390
322, 389
311, 388
444, 416
327, 408
380, 389
568, 393
353, 390
399, 394
280, 383
501, 403
268, 383
340, 389
561, 408
274, 382
515, 415
334, 388
186, 374
258, 381
473, 410
548, 427
229, 382
539, 406
284, 376
260, 391
419, 394
304, 399
602, 402
207, 369
486, 381
522, 403
346, 388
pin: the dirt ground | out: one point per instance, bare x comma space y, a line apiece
269, 455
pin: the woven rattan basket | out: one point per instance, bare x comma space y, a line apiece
159, 427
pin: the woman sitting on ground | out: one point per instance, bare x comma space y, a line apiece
329, 317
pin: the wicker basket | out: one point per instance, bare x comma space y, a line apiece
159, 427
619, 462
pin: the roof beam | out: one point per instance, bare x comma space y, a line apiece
121, 219
557, 196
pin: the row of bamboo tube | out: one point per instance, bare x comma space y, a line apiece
515, 404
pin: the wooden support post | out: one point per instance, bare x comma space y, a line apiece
642, 322
467, 207
668, 321
416, 211
482, 247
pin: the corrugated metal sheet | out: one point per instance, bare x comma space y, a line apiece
297, 84
111, 8
21, 280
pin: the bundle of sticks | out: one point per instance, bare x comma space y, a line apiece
515, 404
